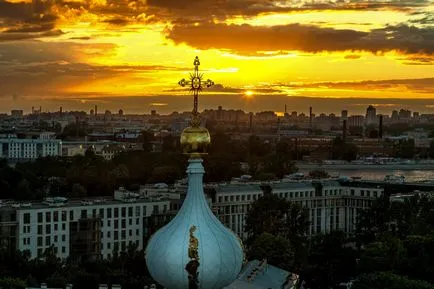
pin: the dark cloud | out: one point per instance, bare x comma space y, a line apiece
209, 9
246, 39
25, 20
418, 85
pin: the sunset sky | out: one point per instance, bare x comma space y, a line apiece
262, 54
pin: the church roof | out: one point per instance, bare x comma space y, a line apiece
270, 277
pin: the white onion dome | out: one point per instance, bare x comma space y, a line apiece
195, 250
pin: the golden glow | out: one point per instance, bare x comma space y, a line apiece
139, 59
249, 93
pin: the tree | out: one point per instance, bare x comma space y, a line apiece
78, 191
387, 280
274, 215
330, 261
146, 138
276, 249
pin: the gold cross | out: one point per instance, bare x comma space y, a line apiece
196, 84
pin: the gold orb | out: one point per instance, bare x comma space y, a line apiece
195, 141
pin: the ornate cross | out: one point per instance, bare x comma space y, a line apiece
196, 84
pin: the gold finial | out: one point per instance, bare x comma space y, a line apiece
195, 139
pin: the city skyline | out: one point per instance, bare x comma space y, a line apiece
130, 54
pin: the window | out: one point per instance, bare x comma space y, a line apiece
130, 211
116, 224
137, 232
55, 216
55, 239
47, 229
144, 210
26, 218
63, 238
123, 212
55, 227
83, 214
109, 234
47, 241
63, 227
39, 229
109, 223
155, 210
362, 193
40, 218
71, 215
47, 217
123, 234
123, 224
101, 213
109, 213
137, 221
116, 213
130, 233
63, 249
130, 222
63, 216
116, 235
40, 241
137, 211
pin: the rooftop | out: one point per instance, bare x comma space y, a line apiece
266, 276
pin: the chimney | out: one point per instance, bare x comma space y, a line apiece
310, 117
344, 131
380, 128
251, 122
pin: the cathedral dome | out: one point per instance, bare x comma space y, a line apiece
195, 140
195, 250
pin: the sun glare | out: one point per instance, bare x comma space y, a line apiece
249, 93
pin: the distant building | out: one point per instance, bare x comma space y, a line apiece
356, 121
90, 228
332, 206
17, 113
371, 115
15, 149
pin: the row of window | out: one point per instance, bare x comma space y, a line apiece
56, 216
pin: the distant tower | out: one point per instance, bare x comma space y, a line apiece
96, 110
40, 109
310, 117
33, 109
344, 114
121, 112
286, 112
251, 122
344, 131
371, 115
380, 127
61, 111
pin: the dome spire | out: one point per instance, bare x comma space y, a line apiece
195, 139
195, 250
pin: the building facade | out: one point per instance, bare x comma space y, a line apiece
85, 229
16, 149
332, 206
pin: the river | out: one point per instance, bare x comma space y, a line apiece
378, 174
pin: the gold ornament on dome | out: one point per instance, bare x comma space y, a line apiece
195, 139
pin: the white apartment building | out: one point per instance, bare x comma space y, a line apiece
94, 227
16, 149
331, 205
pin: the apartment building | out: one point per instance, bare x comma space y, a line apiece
87, 229
332, 205
15, 149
